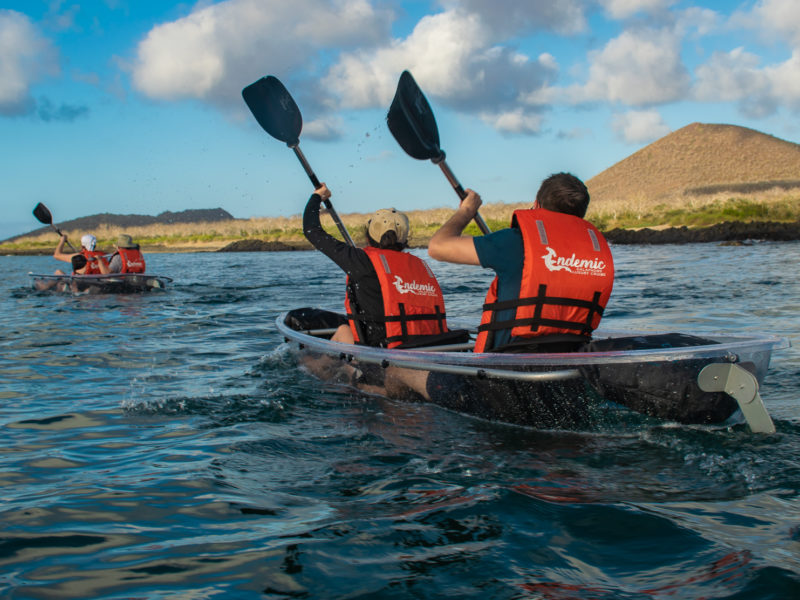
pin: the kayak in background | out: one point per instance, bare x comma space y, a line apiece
676, 377
111, 283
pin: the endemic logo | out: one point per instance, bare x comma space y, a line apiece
572, 264
412, 287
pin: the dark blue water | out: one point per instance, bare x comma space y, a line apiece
165, 446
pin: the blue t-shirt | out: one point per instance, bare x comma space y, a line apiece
503, 252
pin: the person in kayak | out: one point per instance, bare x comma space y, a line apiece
86, 262
95, 260
127, 257
554, 276
392, 297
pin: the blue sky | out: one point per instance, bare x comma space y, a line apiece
134, 106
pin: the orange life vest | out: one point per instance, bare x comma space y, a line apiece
567, 276
132, 260
92, 267
413, 305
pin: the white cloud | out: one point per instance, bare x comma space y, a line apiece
25, 57
637, 127
324, 128
216, 50
729, 76
511, 17
780, 16
622, 9
785, 79
514, 121
639, 68
737, 76
468, 73
366, 78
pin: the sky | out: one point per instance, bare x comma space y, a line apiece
135, 106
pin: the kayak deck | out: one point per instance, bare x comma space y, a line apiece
653, 373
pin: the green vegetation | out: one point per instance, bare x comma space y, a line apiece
689, 211
698, 214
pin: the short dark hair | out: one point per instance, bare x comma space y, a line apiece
388, 241
564, 193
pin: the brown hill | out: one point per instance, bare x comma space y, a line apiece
92, 222
701, 158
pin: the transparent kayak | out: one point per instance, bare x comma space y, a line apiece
112, 283
671, 376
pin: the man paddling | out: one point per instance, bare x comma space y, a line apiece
393, 299
554, 276
95, 260
86, 262
127, 258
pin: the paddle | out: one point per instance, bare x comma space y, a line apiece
276, 111
42, 214
411, 121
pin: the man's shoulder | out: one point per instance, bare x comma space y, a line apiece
502, 237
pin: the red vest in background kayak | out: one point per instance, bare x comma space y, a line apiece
92, 267
413, 305
132, 260
567, 277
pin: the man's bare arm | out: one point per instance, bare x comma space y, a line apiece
448, 244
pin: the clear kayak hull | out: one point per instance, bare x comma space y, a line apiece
112, 283
653, 373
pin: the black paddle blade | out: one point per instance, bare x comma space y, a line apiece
42, 214
78, 262
274, 109
411, 121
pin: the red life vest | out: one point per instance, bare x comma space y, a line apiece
567, 276
413, 305
132, 260
92, 267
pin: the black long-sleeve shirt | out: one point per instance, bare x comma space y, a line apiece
364, 286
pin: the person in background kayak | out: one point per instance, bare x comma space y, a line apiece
127, 258
554, 276
86, 262
393, 299
95, 260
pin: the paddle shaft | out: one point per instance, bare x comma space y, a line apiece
462, 194
328, 205
58, 231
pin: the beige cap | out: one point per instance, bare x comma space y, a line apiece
388, 219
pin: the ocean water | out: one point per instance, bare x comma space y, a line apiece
166, 445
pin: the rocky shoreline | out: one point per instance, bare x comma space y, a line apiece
728, 232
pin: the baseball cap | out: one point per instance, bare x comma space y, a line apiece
88, 241
385, 220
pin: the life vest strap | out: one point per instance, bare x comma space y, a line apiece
536, 321
403, 318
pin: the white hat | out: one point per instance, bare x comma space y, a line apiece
88, 241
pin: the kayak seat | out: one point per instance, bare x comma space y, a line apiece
454, 336
307, 318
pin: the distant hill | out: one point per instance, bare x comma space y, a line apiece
198, 215
701, 159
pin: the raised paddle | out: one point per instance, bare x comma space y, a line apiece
276, 111
42, 214
411, 121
